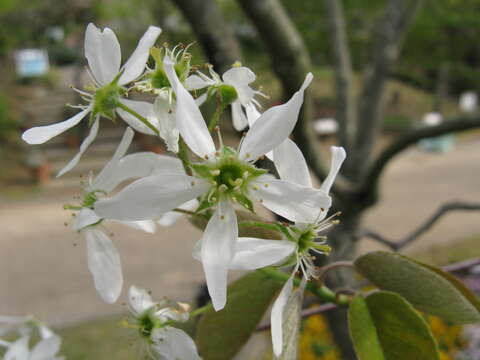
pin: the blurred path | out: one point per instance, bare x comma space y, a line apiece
42, 272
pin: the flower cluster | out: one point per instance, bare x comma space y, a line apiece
25, 327
204, 180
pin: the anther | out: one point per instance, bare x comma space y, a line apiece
192, 183
215, 172
222, 217
266, 185
223, 188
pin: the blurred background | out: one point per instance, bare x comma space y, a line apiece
422, 71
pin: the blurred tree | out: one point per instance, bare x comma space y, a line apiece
357, 188
212, 30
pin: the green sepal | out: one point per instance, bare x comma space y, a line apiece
204, 205
202, 170
244, 201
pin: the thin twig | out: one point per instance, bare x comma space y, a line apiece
461, 265
305, 313
322, 272
401, 243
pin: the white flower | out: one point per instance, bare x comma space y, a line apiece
102, 51
240, 78
46, 349
152, 321
103, 258
225, 177
291, 166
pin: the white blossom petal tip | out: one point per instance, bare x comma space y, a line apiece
139, 299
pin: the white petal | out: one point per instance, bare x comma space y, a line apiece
41, 134
102, 51
140, 300
84, 218
239, 118
218, 248
151, 197
46, 349
174, 344
18, 350
135, 65
338, 156
292, 201
201, 99
104, 265
239, 78
190, 121
144, 225
276, 317
172, 217
273, 126
108, 172
136, 165
143, 108
195, 82
252, 113
291, 164
253, 253
167, 123
83, 147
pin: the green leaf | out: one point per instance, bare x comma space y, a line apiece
428, 288
220, 335
386, 327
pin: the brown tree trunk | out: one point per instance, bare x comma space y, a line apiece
213, 32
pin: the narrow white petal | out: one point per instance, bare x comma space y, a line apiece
294, 202
291, 164
252, 113
218, 248
151, 197
135, 65
174, 344
195, 82
239, 78
338, 156
136, 165
253, 253
167, 123
108, 171
18, 350
239, 118
83, 147
46, 349
172, 217
201, 99
143, 108
104, 265
190, 121
41, 134
84, 218
276, 317
273, 126
144, 225
103, 54
140, 300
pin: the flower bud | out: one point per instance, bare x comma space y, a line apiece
227, 94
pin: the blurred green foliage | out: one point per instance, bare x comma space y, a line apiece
444, 33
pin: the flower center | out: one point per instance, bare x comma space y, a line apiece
229, 177
147, 323
106, 100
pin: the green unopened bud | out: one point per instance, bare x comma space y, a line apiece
227, 93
